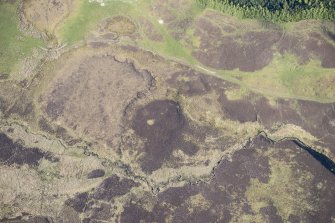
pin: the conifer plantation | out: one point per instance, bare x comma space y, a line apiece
275, 10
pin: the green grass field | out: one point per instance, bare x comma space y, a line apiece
284, 77
88, 15
14, 44
86, 18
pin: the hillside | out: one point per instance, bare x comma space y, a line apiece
165, 111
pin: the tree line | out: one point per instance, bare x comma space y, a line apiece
275, 10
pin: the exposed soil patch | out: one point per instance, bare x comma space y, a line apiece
14, 153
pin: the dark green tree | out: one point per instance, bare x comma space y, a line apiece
275, 10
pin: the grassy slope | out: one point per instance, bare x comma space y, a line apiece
88, 15
13, 44
171, 47
282, 78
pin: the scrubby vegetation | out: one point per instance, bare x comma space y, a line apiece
275, 10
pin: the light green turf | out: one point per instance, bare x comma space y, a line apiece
169, 47
87, 16
284, 77
14, 46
